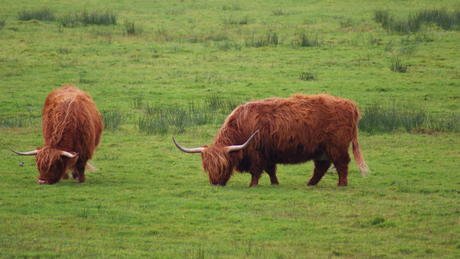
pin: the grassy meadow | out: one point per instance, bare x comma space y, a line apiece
180, 67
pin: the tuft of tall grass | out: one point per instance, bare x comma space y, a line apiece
153, 125
176, 119
441, 17
279, 12
88, 18
307, 76
408, 47
225, 105
228, 45
390, 118
347, 23
306, 41
43, 14
396, 65
112, 119
447, 122
131, 29
2, 24
15, 122
236, 21
233, 7
262, 41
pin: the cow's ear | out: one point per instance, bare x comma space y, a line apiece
68, 154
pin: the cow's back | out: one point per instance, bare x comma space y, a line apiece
71, 121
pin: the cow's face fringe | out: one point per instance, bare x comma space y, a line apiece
51, 165
217, 164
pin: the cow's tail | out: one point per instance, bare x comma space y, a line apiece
362, 166
89, 167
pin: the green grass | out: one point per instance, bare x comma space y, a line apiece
180, 67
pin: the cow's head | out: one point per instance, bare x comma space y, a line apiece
217, 163
51, 163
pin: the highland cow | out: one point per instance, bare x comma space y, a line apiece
72, 130
284, 131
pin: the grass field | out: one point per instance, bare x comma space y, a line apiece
179, 67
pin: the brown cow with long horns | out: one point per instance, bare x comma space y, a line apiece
72, 130
284, 131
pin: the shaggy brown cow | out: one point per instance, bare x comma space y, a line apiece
72, 130
286, 131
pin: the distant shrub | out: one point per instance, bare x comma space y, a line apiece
44, 14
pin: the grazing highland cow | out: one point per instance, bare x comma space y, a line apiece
286, 131
72, 130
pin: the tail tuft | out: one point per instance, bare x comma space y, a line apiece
362, 166
90, 167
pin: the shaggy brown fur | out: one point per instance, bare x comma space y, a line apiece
71, 123
291, 130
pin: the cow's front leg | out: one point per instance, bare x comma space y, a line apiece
256, 173
78, 171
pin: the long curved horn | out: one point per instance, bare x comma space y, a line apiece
188, 150
67, 154
234, 148
30, 153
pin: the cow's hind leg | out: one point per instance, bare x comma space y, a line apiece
321, 167
271, 171
341, 165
